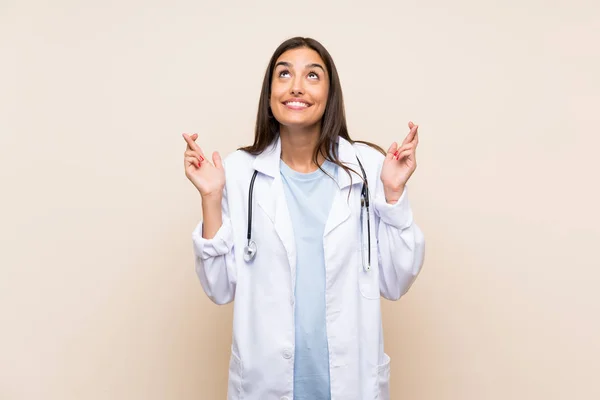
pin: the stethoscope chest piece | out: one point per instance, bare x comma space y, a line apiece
250, 251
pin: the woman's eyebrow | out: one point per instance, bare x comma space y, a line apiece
289, 65
284, 63
315, 65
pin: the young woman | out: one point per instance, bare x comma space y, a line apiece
306, 229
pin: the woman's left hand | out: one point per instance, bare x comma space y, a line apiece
399, 165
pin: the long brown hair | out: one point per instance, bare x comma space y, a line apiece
333, 122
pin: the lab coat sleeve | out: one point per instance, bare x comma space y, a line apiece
215, 260
401, 244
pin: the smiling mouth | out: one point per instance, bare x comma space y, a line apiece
296, 105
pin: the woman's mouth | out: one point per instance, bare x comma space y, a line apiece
296, 105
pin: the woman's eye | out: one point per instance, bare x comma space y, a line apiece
284, 74
313, 75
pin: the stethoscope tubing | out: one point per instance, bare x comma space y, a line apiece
250, 249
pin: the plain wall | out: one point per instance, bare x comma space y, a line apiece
98, 294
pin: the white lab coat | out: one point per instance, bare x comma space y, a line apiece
262, 353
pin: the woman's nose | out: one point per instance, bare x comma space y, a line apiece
297, 87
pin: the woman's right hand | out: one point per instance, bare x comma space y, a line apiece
209, 179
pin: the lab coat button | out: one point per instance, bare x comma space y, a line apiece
287, 354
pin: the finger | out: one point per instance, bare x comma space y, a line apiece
191, 153
407, 146
398, 151
411, 134
410, 125
192, 144
217, 160
192, 161
186, 137
392, 150
193, 136
404, 150
404, 147
405, 153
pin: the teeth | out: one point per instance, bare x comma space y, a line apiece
296, 104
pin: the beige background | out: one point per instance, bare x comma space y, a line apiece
98, 295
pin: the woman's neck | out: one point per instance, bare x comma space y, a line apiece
298, 147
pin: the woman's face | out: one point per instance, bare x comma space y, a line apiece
299, 88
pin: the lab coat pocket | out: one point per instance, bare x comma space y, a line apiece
234, 387
383, 372
368, 280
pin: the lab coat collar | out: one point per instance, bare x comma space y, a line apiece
347, 155
268, 161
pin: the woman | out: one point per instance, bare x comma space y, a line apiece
294, 232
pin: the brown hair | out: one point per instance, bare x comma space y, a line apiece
333, 122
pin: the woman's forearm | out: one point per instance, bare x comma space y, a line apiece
211, 215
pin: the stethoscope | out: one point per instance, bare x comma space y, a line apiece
250, 248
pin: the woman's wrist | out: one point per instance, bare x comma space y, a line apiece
214, 197
211, 214
393, 195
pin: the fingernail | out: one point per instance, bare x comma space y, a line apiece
201, 158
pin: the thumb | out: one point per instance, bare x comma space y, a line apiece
392, 150
217, 160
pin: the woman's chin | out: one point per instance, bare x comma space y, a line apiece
298, 123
